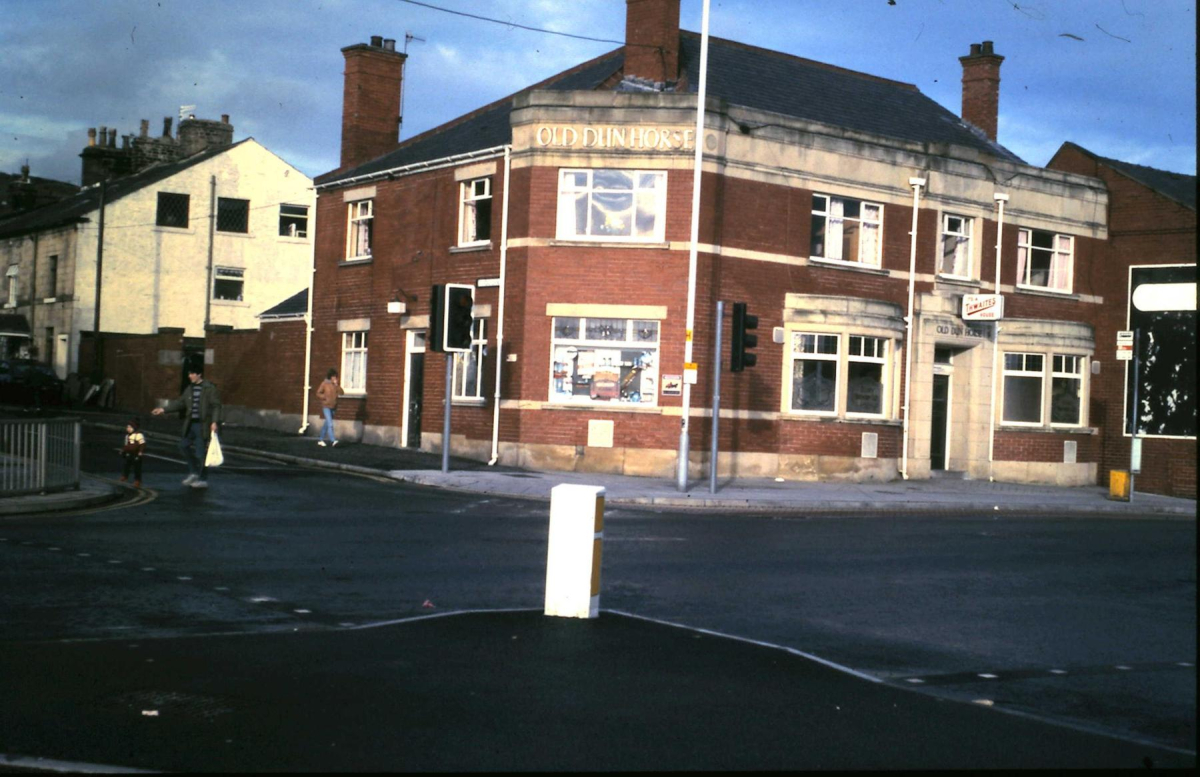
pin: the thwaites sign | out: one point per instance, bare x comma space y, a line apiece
1162, 310
982, 307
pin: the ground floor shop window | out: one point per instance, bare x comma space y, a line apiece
354, 362
468, 367
604, 360
835, 374
1025, 383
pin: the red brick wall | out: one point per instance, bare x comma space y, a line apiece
1144, 228
260, 369
133, 362
1042, 446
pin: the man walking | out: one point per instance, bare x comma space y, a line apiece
201, 403
328, 392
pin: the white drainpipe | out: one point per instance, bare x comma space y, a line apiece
308, 325
500, 311
1000, 200
916, 184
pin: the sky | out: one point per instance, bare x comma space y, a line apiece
1117, 77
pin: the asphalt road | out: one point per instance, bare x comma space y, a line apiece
1090, 622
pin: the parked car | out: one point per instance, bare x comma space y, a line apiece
26, 381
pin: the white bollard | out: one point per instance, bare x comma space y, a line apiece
573, 553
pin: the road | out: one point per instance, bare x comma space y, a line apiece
1091, 622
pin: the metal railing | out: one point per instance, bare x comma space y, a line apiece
38, 456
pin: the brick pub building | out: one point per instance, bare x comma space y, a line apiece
851, 213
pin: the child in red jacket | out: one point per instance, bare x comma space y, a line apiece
131, 453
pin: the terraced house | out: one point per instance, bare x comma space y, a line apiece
170, 237
866, 226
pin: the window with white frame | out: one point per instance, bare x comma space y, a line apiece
293, 220
229, 283
468, 367
955, 256
1023, 379
815, 360
846, 230
1066, 390
866, 359
1044, 260
475, 212
604, 360
617, 205
354, 362
360, 220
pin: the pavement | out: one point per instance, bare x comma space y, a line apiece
938, 495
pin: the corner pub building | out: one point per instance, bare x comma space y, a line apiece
838, 205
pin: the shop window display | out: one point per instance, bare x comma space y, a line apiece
604, 360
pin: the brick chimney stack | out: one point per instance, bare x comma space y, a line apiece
981, 87
652, 42
371, 100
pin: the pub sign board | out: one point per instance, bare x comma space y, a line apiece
982, 307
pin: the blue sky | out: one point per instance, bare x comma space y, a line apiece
1118, 77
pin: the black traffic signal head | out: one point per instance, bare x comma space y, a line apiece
741, 357
460, 299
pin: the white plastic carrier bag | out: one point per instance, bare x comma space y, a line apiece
214, 457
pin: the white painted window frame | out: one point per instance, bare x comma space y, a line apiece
568, 191
629, 342
798, 354
354, 349
470, 194
360, 215
879, 345
1025, 251
478, 350
827, 214
965, 237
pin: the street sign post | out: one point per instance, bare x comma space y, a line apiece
1125, 345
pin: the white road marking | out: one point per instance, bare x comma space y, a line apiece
114, 561
261, 599
148, 569
183, 577
303, 612
915, 680
84, 555
53, 548
1122, 667
1183, 663
220, 588
987, 676
1058, 671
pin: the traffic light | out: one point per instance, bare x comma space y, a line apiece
741, 357
437, 317
458, 323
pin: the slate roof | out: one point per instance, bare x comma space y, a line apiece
1177, 186
742, 75
292, 307
74, 209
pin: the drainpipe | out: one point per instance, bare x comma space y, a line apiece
500, 311
33, 295
1000, 200
682, 465
97, 341
916, 184
212, 227
308, 327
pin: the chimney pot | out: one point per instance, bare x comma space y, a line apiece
103, 134
987, 47
974, 50
112, 138
224, 118
91, 136
145, 127
389, 44
166, 126
376, 40
25, 173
